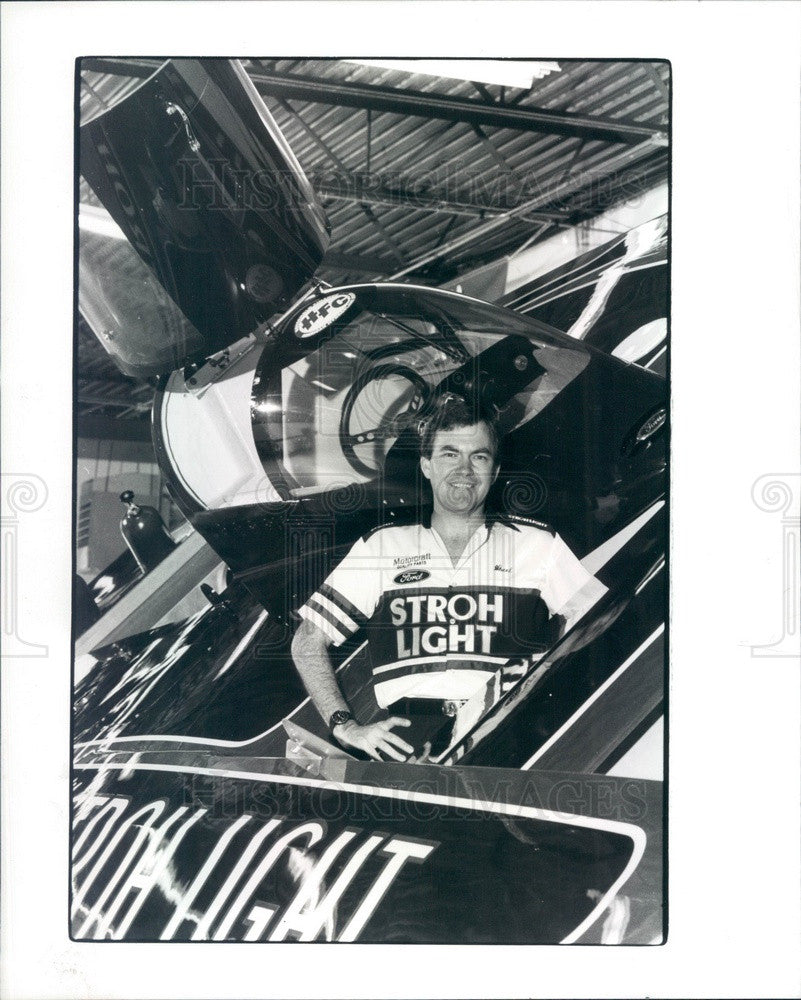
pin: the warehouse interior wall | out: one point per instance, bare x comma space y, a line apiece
104, 469
494, 280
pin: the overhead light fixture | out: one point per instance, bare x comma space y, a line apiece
504, 72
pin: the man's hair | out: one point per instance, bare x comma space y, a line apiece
449, 412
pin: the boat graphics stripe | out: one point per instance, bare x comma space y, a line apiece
594, 697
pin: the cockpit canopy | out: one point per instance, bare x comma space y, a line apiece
335, 398
330, 405
336, 395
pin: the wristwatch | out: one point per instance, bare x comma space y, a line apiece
338, 718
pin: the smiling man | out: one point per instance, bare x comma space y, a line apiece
455, 608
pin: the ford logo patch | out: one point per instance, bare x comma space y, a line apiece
652, 425
412, 576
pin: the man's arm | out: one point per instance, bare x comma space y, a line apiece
313, 662
310, 653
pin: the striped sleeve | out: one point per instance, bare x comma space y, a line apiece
348, 598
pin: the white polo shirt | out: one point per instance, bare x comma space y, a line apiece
436, 630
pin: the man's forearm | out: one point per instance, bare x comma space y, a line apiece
313, 662
375, 739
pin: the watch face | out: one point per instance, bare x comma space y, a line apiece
338, 718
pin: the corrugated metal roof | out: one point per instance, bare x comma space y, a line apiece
484, 166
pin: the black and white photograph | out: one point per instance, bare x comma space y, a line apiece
400, 500
371, 478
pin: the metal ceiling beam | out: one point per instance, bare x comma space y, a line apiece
361, 263
112, 384
626, 183
422, 104
384, 233
353, 187
121, 404
493, 152
540, 231
582, 207
445, 230
312, 134
141, 68
430, 272
656, 80
551, 194
483, 91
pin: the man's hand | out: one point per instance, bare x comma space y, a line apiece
374, 737
423, 757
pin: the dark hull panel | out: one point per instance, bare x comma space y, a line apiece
196, 174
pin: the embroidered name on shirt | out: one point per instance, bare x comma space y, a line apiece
502, 569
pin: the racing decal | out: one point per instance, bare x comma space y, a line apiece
254, 879
322, 313
419, 628
467, 622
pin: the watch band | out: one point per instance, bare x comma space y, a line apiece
339, 717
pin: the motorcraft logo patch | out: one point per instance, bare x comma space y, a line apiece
406, 562
412, 576
322, 313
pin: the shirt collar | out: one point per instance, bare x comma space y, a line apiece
490, 518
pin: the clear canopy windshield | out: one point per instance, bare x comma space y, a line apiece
329, 418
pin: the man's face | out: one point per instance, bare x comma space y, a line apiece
461, 469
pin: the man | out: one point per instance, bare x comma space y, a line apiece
447, 605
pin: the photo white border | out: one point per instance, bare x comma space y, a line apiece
735, 918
